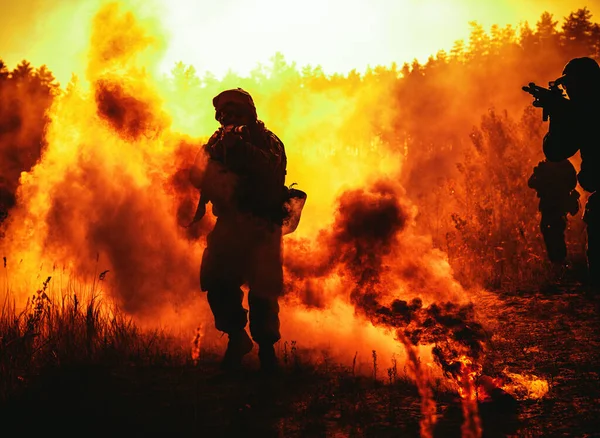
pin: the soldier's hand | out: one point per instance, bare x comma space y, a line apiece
235, 129
232, 135
228, 139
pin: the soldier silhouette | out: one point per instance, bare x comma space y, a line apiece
574, 127
245, 182
555, 184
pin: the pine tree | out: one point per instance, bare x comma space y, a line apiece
22, 71
546, 32
4, 73
577, 33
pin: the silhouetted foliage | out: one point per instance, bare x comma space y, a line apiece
26, 94
578, 32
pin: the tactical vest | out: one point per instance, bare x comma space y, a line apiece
247, 179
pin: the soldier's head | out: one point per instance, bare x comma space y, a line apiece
234, 107
580, 78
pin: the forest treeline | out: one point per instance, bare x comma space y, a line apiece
466, 133
26, 94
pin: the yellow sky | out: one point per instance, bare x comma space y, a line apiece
238, 34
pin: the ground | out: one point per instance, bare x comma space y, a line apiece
552, 334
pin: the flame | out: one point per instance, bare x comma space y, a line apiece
467, 388
196, 344
467, 375
525, 386
428, 406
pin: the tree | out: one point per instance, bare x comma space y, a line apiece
528, 40
4, 73
577, 32
416, 68
546, 32
185, 77
495, 40
22, 71
546, 26
26, 95
457, 53
479, 41
46, 80
72, 85
441, 57
281, 72
405, 70
210, 81
595, 41
508, 35
354, 79
258, 74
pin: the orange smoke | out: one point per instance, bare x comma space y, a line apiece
103, 193
401, 197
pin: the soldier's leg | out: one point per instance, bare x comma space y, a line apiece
230, 317
225, 303
592, 220
553, 229
221, 277
264, 318
266, 286
593, 256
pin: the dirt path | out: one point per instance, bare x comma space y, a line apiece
555, 336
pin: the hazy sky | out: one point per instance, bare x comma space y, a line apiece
217, 35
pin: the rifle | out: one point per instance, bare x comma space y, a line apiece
545, 97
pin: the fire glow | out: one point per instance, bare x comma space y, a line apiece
110, 192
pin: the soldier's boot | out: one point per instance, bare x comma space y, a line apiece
268, 358
238, 346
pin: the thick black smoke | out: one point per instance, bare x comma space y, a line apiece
128, 115
363, 245
102, 213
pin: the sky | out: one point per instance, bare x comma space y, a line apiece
339, 35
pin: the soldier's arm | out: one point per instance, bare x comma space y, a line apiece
570, 175
197, 170
199, 166
564, 137
243, 154
282, 157
531, 182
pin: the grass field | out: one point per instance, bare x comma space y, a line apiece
74, 369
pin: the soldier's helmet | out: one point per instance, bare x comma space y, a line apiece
236, 97
580, 69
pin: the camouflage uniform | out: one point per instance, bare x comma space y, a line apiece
245, 182
574, 127
555, 186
